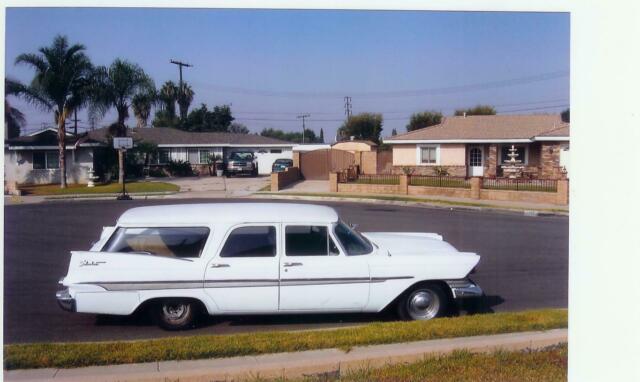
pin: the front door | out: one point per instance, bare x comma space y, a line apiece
476, 161
316, 276
243, 276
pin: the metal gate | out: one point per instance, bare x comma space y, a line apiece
316, 164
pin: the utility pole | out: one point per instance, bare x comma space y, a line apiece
180, 65
347, 107
75, 122
303, 117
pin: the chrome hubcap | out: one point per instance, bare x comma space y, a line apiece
423, 305
174, 311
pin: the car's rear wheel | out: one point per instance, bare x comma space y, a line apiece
176, 314
424, 303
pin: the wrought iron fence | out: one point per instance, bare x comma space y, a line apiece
375, 179
518, 184
439, 181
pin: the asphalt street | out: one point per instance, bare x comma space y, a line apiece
524, 265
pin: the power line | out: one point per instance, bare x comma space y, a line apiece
399, 93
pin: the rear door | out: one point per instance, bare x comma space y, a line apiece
316, 276
243, 274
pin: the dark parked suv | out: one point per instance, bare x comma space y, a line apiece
242, 162
281, 164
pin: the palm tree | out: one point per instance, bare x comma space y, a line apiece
116, 86
141, 104
185, 96
61, 82
13, 118
168, 97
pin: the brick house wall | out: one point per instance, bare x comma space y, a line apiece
550, 160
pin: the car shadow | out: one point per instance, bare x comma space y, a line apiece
484, 304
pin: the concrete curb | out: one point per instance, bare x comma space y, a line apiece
107, 195
425, 204
293, 365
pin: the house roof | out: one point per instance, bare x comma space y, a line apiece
487, 127
166, 136
47, 138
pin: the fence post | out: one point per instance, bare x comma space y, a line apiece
296, 159
562, 193
404, 184
476, 185
333, 182
274, 182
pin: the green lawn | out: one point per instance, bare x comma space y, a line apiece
545, 365
67, 355
376, 181
440, 182
111, 188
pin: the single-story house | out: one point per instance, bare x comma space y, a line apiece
479, 146
33, 159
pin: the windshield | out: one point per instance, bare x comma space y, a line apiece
241, 156
352, 241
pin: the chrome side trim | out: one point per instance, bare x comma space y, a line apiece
235, 283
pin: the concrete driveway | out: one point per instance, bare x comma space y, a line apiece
309, 186
208, 186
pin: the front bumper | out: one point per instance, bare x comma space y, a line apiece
464, 288
65, 301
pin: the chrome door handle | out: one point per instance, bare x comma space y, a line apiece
217, 265
292, 264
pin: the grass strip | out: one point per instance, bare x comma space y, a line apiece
544, 365
111, 188
394, 198
68, 355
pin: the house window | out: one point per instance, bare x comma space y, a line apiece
193, 156
45, 160
204, 156
521, 150
429, 154
276, 151
163, 156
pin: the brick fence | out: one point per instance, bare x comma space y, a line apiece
280, 180
560, 196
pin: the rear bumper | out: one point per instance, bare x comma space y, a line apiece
464, 288
65, 301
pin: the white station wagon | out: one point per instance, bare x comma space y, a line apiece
261, 258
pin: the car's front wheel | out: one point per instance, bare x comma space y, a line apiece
176, 314
424, 303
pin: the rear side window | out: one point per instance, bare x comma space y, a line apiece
308, 241
251, 241
165, 241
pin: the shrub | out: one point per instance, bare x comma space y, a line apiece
179, 168
408, 170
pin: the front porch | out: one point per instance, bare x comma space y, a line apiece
540, 160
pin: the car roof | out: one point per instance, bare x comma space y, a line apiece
211, 213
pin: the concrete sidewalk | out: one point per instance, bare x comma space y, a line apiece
292, 365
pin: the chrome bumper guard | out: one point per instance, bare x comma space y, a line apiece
464, 288
65, 301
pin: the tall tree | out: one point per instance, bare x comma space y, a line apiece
141, 104
309, 135
61, 84
321, 138
477, 110
566, 115
115, 87
203, 119
13, 118
238, 128
364, 126
424, 119
184, 98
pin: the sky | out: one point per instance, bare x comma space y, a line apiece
273, 65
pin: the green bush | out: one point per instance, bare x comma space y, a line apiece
179, 168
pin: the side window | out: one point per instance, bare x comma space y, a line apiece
165, 241
250, 241
307, 240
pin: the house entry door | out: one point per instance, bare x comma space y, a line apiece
476, 160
